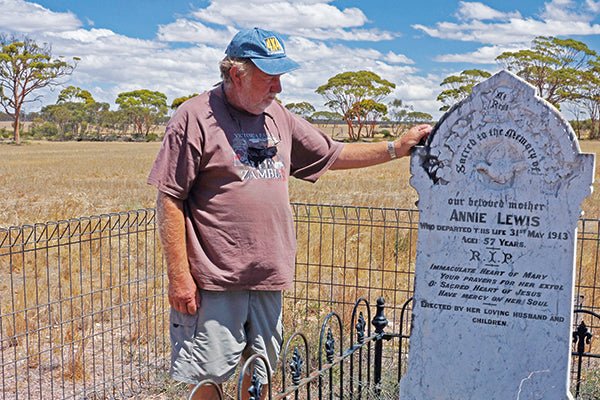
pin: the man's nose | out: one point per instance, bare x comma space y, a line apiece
276, 85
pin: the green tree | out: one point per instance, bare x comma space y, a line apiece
143, 107
343, 91
115, 122
81, 106
323, 119
584, 93
325, 116
458, 87
303, 109
95, 114
75, 110
367, 113
62, 116
398, 111
74, 94
26, 67
416, 117
42, 128
551, 65
180, 100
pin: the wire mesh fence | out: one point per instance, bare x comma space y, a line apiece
83, 308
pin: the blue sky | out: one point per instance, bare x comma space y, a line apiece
173, 46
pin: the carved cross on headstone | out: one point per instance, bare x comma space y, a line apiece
500, 183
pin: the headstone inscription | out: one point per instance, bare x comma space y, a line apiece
500, 183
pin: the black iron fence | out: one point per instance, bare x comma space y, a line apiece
357, 370
585, 370
353, 372
83, 306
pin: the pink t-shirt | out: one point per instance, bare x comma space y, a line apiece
231, 169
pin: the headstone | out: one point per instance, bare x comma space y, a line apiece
500, 184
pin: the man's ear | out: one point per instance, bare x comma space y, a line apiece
235, 75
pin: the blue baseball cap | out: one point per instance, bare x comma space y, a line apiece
264, 48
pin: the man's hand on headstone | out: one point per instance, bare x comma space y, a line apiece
411, 138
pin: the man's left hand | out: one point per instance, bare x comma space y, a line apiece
411, 138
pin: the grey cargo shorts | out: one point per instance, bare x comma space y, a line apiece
227, 328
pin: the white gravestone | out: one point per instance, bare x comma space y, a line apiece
500, 185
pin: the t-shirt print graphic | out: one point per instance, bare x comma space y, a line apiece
256, 157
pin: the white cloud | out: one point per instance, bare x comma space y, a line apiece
33, 18
515, 31
367, 35
480, 32
278, 15
312, 19
112, 63
559, 17
321, 61
420, 92
480, 11
83, 35
394, 58
483, 55
115, 63
565, 11
185, 30
175, 72
593, 6
499, 31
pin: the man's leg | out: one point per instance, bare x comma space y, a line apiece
209, 345
205, 392
209, 392
264, 331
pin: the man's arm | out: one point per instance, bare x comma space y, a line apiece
183, 291
359, 155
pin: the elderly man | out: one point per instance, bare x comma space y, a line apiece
223, 210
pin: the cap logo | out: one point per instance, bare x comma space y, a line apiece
273, 45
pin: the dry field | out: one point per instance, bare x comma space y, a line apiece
48, 181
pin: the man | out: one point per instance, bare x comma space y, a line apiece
223, 209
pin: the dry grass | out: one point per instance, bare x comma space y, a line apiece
45, 181
78, 307
591, 205
67, 296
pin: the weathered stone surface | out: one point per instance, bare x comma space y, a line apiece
500, 185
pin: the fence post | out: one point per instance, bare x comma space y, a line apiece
379, 322
581, 337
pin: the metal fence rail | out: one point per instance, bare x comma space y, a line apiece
347, 252
584, 361
345, 363
82, 308
83, 302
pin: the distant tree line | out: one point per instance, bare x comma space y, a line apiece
565, 72
78, 115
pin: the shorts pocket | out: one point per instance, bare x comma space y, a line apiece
178, 319
182, 330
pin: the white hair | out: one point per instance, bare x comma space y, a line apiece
242, 64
